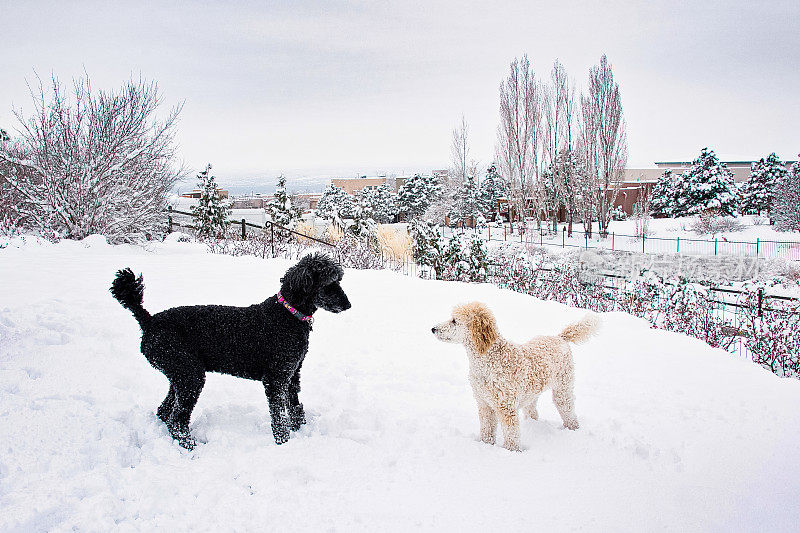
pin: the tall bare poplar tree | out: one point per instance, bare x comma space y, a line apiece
603, 140
558, 176
459, 151
519, 133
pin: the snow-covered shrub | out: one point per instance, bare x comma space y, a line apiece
687, 310
619, 214
261, 244
354, 252
99, 163
773, 338
711, 222
212, 212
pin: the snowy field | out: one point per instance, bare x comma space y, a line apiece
754, 237
674, 435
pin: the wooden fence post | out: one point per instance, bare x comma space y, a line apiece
760, 302
244, 229
169, 229
272, 237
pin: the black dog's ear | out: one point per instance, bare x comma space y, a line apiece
298, 279
329, 270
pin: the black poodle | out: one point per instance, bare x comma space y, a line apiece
265, 341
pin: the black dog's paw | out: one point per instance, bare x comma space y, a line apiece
187, 441
184, 438
297, 417
281, 436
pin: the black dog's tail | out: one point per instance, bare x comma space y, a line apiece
129, 291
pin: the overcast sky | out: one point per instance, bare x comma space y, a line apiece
346, 87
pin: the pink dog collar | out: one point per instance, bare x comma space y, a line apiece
300, 316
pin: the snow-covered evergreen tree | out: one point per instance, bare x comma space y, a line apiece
467, 201
463, 258
427, 245
380, 202
280, 210
491, 191
665, 194
787, 200
758, 192
707, 185
335, 204
212, 212
361, 224
416, 195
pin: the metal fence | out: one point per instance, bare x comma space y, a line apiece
178, 219
759, 248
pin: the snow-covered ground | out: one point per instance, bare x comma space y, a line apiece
674, 435
753, 237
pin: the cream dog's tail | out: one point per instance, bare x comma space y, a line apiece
582, 330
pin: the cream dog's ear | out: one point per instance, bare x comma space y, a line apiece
482, 327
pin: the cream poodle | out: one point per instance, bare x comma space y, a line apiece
506, 377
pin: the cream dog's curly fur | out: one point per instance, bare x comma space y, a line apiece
506, 377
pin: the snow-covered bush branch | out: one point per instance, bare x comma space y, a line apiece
101, 163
